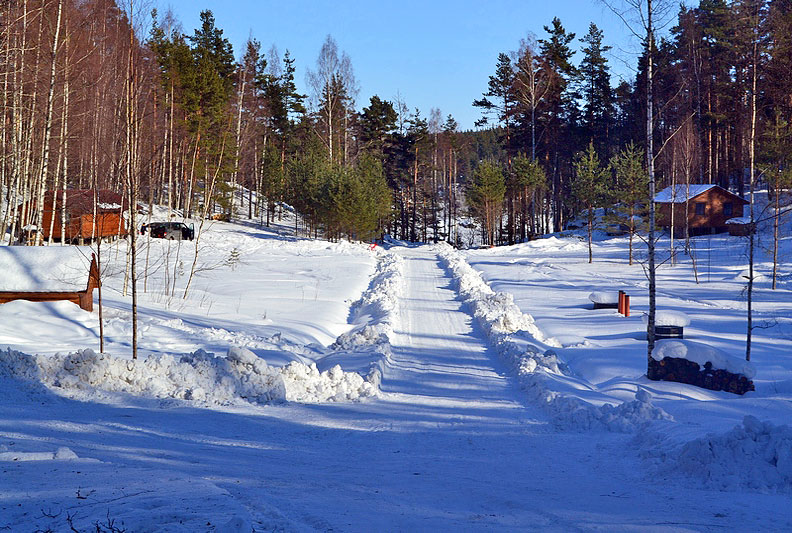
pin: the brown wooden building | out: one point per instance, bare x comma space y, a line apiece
706, 207
83, 222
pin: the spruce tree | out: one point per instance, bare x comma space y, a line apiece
594, 79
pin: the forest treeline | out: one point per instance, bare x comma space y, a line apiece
91, 99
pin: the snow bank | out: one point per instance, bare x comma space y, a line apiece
201, 377
374, 315
756, 455
667, 317
537, 367
44, 268
702, 354
599, 297
496, 312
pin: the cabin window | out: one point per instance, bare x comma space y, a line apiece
700, 208
728, 209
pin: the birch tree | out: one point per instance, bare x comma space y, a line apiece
640, 17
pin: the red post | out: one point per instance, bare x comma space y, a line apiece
621, 302
626, 305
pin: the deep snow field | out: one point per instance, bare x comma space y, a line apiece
304, 385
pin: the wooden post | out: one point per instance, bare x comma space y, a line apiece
621, 302
626, 305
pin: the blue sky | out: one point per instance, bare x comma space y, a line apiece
435, 53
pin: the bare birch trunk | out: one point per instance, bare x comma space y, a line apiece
752, 157
650, 334
47, 130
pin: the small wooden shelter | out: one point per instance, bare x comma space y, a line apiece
707, 207
48, 274
89, 215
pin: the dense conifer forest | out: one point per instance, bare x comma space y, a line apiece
112, 95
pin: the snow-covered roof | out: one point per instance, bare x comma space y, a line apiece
678, 193
44, 268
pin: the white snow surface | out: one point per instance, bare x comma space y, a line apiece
44, 268
487, 376
701, 354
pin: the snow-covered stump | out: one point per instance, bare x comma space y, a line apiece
700, 365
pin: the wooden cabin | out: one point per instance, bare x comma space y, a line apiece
48, 274
707, 207
83, 222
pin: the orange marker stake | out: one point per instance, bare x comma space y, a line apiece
626, 305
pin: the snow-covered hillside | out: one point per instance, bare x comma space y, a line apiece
305, 385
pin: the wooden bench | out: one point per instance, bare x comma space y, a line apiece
83, 298
669, 332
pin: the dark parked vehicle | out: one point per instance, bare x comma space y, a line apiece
174, 231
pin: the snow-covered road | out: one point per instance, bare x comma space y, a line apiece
451, 445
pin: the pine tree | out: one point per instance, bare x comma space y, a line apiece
559, 118
485, 196
589, 187
377, 122
529, 177
632, 186
500, 100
